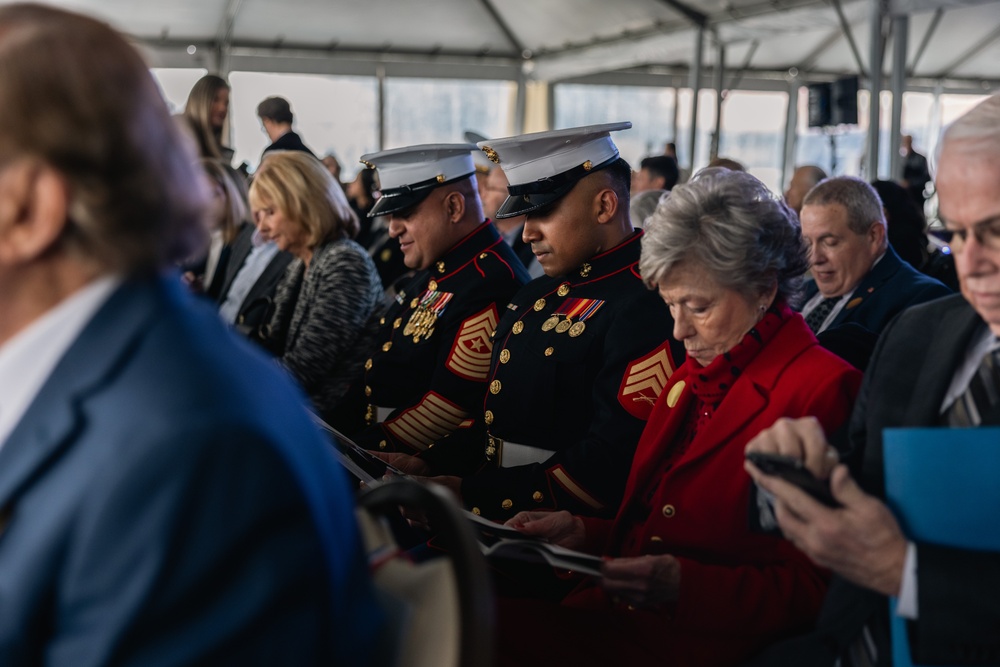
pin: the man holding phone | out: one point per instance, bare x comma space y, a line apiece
949, 595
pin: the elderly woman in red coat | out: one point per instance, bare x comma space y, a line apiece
686, 580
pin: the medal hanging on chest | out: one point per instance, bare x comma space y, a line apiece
579, 310
428, 309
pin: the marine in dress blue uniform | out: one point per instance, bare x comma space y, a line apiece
579, 357
428, 373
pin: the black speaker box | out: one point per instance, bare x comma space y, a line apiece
845, 101
819, 104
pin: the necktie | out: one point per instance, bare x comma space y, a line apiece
820, 312
982, 394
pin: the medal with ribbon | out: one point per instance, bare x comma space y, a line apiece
575, 312
430, 306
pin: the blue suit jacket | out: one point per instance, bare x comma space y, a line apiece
890, 287
165, 500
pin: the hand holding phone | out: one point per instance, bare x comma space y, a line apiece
793, 471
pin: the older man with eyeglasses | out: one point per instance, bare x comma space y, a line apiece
935, 365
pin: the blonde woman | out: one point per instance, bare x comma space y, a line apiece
326, 308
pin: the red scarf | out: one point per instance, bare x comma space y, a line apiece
711, 383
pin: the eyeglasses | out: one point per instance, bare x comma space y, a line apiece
986, 233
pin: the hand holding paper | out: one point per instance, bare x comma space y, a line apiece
560, 528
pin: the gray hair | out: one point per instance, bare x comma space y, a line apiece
730, 224
858, 197
979, 129
643, 204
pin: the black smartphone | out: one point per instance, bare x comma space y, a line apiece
791, 470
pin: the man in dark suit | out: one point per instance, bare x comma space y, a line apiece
252, 275
858, 279
935, 365
276, 116
164, 499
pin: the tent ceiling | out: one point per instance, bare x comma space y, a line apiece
552, 40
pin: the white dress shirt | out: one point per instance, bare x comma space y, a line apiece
28, 359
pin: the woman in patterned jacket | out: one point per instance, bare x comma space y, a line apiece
327, 306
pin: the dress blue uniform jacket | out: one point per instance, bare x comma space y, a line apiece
891, 286
165, 500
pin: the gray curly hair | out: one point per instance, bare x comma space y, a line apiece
729, 223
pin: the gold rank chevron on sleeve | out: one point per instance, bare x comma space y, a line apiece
470, 355
644, 379
429, 420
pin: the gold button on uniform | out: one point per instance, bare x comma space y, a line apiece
495, 387
432, 285
507, 504
563, 289
413, 303
539, 304
381, 444
488, 417
549, 351
387, 346
675, 394
669, 510
482, 256
518, 327
475, 510
368, 391
381, 320
537, 496
398, 321
504, 356
368, 365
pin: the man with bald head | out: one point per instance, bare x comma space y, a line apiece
935, 365
804, 179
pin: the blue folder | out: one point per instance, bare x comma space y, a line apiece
941, 484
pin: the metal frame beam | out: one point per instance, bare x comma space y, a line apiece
734, 83
931, 28
810, 60
900, 39
791, 131
846, 28
878, 12
695, 85
697, 18
969, 54
720, 74
505, 28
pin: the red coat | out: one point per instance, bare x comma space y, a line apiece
740, 590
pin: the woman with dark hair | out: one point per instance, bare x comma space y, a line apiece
327, 306
205, 112
685, 580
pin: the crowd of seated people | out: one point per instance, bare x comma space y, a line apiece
527, 404
588, 366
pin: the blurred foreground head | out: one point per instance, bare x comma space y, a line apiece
82, 110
